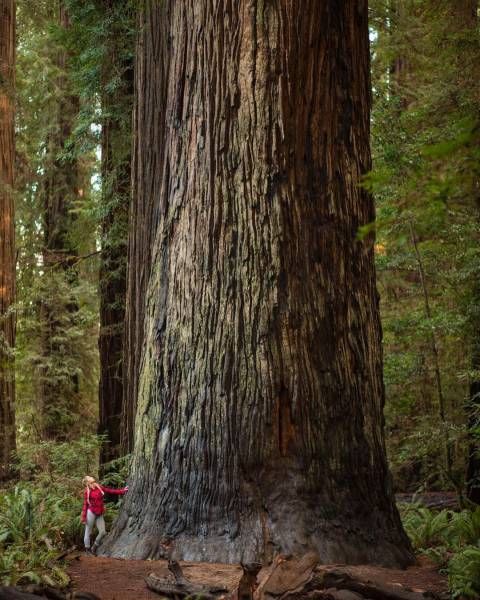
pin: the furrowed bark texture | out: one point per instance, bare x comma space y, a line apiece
147, 170
116, 158
7, 235
259, 421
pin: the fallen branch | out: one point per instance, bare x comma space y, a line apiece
35, 591
182, 587
329, 583
296, 578
248, 582
287, 576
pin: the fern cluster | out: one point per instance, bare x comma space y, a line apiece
40, 516
452, 540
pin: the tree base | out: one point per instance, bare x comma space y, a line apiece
282, 521
341, 548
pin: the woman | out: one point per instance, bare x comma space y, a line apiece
93, 509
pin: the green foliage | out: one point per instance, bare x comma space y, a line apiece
48, 462
57, 308
40, 517
424, 527
117, 471
466, 526
35, 523
452, 540
464, 573
426, 151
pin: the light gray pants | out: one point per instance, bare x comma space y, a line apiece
99, 521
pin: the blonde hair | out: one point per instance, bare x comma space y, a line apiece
89, 483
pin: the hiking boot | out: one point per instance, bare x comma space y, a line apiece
89, 552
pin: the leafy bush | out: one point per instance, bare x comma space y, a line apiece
465, 526
424, 527
40, 517
35, 524
452, 540
48, 462
464, 573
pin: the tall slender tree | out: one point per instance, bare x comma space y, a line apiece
259, 420
117, 103
465, 16
7, 234
59, 385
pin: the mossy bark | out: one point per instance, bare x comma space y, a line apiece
259, 419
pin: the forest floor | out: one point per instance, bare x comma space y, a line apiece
115, 579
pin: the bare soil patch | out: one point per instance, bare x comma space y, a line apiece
116, 579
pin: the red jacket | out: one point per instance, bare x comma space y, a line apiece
93, 499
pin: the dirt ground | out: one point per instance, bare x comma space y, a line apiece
114, 579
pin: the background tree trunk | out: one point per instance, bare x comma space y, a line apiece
259, 421
116, 157
465, 19
7, 234
59, 388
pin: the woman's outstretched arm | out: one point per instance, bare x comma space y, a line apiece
115, 491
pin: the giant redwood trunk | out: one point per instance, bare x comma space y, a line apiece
259, 419
116, 157
148, 129
7, 235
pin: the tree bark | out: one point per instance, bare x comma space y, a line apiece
147, 178
59, 388
7, 235
116, 159
259, 419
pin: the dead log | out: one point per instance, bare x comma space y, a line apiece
176, 590
302, 578
334, 594
36, 591
176, 570
182, 587
248, 582
327, 580
343, 580
287, 575
11, 593
44, 591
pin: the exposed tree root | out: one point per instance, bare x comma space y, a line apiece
289, 578
182, 587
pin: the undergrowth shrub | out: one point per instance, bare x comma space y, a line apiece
452, 540
35, 525
40, 515
464, 573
